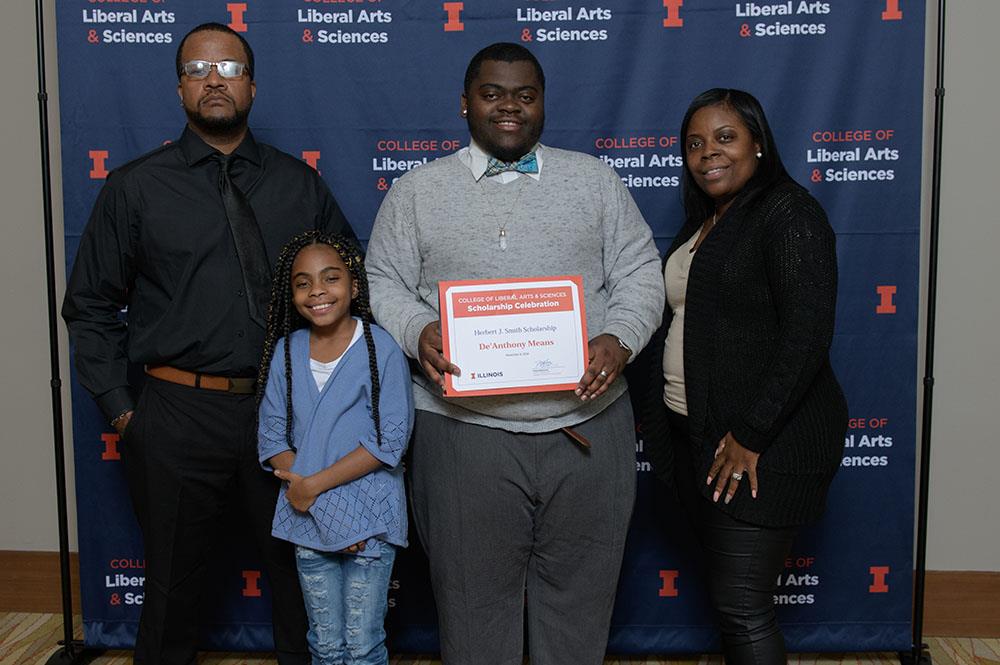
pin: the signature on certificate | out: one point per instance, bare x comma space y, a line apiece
543, 365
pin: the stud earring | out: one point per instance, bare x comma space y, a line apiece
464, 113
759, 154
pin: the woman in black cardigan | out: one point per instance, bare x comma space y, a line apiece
744, 415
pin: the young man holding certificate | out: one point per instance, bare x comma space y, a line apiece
522, 490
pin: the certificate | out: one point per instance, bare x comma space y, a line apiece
513, 335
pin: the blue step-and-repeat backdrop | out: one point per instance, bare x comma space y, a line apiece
364, 90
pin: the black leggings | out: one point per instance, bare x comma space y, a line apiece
742, 563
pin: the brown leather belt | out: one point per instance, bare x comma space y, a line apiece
580, 439
237, 385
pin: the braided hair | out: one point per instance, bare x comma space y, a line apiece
283, 318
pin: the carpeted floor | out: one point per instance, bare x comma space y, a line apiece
29, 639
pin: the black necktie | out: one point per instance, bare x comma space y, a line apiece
249, 243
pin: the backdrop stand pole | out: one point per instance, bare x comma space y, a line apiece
70, 651
918, 654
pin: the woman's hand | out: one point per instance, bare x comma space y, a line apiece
732, 463
299, 493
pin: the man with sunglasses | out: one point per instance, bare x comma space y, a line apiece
185, 237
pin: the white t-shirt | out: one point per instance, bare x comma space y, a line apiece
322, 371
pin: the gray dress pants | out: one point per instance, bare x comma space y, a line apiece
523, 522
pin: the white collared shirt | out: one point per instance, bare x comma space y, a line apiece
478, 159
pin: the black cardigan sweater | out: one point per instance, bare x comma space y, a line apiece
758, 324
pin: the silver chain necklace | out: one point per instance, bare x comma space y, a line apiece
503, 219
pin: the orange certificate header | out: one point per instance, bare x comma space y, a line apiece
513, 301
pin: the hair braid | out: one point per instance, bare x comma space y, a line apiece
361, 305
366, 320
289, 412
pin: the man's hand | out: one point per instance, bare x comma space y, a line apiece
122, 422
432, 360
607, 360
299, 493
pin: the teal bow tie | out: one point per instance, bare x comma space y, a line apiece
527, 164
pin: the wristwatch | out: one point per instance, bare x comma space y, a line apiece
623, 345
117, 419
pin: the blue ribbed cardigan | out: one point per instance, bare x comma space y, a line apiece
329, 424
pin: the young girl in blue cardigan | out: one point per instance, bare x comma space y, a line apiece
334, 419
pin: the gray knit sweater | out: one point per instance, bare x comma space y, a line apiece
438, 223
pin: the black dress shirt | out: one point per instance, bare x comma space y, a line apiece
158, 241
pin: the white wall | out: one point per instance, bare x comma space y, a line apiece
964, 524
966, 455
27, 477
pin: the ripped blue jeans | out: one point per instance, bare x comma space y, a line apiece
346, 599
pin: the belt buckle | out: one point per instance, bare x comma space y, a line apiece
241, 385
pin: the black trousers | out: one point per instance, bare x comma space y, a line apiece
742, 562
189, 455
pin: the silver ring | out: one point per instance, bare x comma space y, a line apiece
737, 475
604, 374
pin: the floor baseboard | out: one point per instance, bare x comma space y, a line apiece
29, 581
962, 603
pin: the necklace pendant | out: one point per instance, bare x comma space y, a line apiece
503, 240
